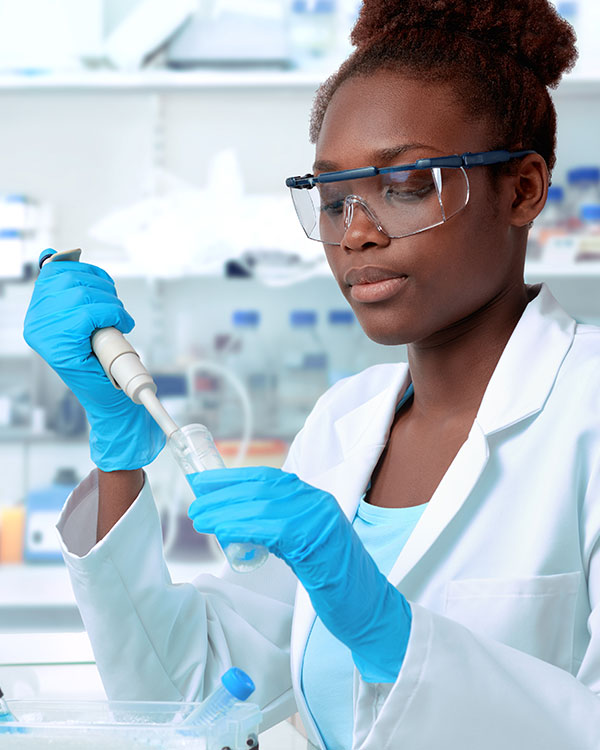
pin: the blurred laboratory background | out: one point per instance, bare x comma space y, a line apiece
156, 135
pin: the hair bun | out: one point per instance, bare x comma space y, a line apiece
531, 31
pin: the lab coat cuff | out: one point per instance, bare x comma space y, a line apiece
78, 522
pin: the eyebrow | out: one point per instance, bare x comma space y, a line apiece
382, 156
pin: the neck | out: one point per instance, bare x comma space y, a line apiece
451, 370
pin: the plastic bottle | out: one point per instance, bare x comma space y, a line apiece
312, 32
235, 686
194, 450
5, 713
347, 14
589, 239
7, 716
249, 360
551, 223
342, 360
304, 371
583, 189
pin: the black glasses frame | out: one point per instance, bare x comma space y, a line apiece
465, 161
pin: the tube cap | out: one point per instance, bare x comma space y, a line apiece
237, 682
583, 174
301, 318
555, 194
341, 317
590, 212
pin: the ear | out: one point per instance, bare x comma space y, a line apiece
530, 189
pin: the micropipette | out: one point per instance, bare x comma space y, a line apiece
191, 445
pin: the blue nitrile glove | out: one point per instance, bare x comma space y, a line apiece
306, 527
70, 301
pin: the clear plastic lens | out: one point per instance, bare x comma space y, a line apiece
399, 203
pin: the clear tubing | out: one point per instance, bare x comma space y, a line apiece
194, 450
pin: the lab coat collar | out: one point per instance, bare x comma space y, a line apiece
518, 388
529, 364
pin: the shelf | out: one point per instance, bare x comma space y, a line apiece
163, 80
539, 269
160, 80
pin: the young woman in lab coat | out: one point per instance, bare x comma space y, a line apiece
443, 516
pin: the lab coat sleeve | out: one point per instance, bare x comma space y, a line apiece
154, 640
458, 689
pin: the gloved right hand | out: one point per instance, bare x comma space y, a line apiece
70, 301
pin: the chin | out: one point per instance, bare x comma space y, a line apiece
387, 335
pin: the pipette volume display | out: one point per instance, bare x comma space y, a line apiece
194, 450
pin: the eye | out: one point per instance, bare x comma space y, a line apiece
333, 208
408, 186
332, 200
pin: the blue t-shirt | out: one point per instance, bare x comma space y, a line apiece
327, 668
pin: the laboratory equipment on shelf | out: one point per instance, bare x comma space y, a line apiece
551, 223
304, 371
342, 354
243, 351
192, 447
43, 506
583, 188
589, 238
313, 26
235, 686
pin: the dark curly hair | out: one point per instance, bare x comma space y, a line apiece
500, 56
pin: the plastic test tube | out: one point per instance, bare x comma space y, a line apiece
235, 686
194, 451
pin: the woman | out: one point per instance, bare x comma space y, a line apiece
441, 516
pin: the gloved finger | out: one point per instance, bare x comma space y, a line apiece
232, 502
270, 537
77, 328
75, 313
71, 300
58, 282
247, 503
110, 315
208, 481
64, 266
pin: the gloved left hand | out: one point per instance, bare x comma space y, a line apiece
306, 527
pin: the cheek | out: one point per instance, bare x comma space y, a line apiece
453, 271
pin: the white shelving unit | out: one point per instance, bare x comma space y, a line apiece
161, 80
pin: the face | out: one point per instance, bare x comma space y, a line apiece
439, 278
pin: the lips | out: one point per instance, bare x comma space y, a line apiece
370, 275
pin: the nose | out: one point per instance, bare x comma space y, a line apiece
362, 228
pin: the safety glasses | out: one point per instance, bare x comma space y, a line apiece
400, 200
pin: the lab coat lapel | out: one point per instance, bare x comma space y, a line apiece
518, 388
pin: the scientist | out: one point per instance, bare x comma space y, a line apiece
442, 517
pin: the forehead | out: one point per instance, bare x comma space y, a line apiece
368, 115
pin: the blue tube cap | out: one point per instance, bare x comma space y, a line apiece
237, 682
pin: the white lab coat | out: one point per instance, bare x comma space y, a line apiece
502, 570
